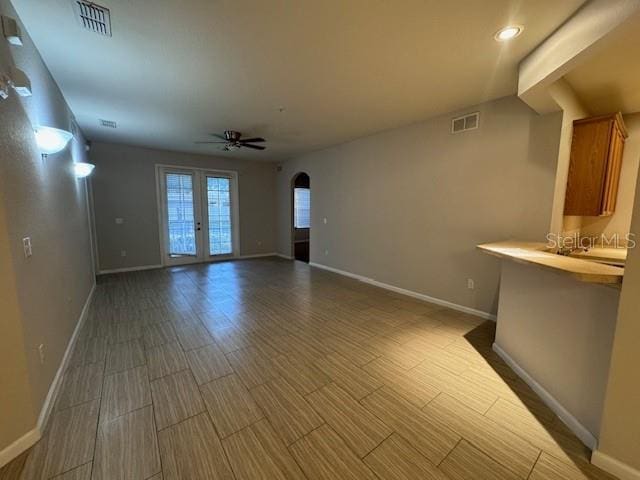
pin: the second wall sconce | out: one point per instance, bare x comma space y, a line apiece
11, 31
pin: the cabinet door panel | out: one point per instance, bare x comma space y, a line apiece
587, 168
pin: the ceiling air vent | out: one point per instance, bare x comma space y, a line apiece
466, 122
93, 17
108, 123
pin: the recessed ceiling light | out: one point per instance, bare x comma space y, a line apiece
507, 33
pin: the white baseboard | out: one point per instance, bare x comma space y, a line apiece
153, 267
130, 269
257, 255
57, 380
27, 440
20, 445
409, 293
569, 420
614, 467
286, 257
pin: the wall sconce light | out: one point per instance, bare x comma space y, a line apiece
16, 79
5, 84
20, 82
52, 140
11, 31
83, 169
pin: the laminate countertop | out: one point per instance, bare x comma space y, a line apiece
537, 254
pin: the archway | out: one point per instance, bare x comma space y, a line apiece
301, 216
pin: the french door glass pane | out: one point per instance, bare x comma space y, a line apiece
219, 208
180, 214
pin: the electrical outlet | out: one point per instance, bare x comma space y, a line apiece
123, 253
119, 221
26, 246
471, 285
259, 243
324, 220
326, 252
41, 353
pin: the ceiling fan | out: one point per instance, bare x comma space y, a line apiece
231, 140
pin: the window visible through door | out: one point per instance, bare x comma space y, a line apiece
302, 208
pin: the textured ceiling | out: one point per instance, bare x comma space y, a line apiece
338, 69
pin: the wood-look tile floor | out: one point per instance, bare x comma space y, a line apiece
270, 369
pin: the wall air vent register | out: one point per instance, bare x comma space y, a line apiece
93, 17
108, 123
461, 124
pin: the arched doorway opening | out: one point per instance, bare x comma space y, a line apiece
301, 216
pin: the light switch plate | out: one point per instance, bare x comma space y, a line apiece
26, 245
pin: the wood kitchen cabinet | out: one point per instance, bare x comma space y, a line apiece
594, 168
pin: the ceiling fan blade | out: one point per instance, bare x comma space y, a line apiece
256, 147
210, 142
217, 135
252, 140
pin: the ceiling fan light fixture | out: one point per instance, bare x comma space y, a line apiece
233, 140
508, 33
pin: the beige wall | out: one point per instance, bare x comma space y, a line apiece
620, 437
407, 206
620, 222
124, 186
572, 109
570, 358
16, 404
41, 199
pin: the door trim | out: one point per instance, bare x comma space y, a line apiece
162, 208
161, 204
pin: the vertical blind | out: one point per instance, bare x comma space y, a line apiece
302, 208
219, 208
180, 214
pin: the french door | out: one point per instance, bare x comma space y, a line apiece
198, 214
